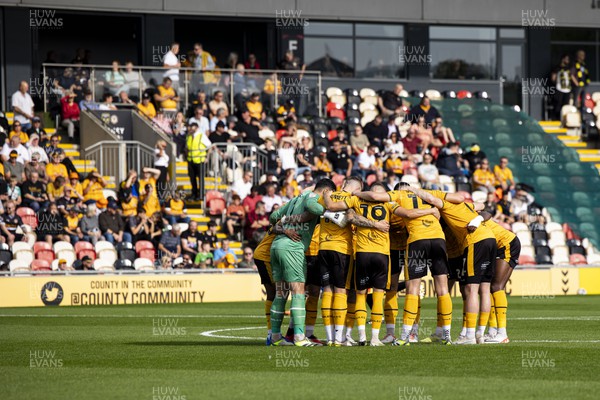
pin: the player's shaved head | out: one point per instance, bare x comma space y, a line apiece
352, 184
401, 185
378, 187
323, 184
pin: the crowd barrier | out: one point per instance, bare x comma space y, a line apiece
93, 289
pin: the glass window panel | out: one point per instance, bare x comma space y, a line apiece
379, 59
573, 35
333, 57
326, 28
512, 33
463, 60
557, 50
380, 30
455, 32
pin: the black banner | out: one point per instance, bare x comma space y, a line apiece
119, 122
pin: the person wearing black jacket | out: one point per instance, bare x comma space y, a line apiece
424, 109
377, 132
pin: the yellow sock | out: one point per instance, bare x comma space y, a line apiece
268, 304
360, 313
444, 306
377, 311
312, 305
390, 310
493, 321
501, 304
350, 315
471, 321
411, 309
339, 308
418, 317
483, 318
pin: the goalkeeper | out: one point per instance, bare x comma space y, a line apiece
289, 263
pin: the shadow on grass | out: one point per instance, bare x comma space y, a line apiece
245, 343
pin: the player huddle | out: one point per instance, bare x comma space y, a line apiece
340, 245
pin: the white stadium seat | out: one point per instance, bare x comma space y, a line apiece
478, 196
103, 244
527, 251
553, 226
103, 265
143, 264
524, 237
18, 265
519, 227
58, 246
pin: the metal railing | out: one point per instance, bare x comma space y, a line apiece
116, 158
275, 86
227, 162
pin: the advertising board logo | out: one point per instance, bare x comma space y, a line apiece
52, 294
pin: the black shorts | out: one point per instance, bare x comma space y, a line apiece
455, 267
333, 268
510, 253
423, 254
265, 272
313, 276
480, 259
370, 270
397, 261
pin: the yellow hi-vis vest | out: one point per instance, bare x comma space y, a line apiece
196, 149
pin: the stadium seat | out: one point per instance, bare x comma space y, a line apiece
539, 235
553, 226
519, 227
68, 255
37, 246
102, 245
543, 259
143, 264
539, 242
333, 91
103, 265
18, 266
527, 250
478, 196
6, 256
217, 207
558, 237
47, 255
411, 180
143, 245
25, 256
81, 245
61, 245
526, 260
366, 107
86, 252
560, 259
28, 216
108, 254
577, 259
433, 94
40, 265
593, 259
124, 264
147, 254
560, 251
21, 246
464, 94
109, 193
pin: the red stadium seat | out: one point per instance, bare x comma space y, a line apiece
143, 245
40, 265
47, 255
37, 246
81, 245
526, 260
30, 220
338, 113
23, 211
577, 259
148, 254
213, 194
86, 252
464, 94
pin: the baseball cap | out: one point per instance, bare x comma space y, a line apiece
475, 147
113, 205
14, 154
102, 203
220, 124
146, 95
73, 175
34, 136
86, 258
62, 261
36, 119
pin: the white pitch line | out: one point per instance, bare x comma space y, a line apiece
555, 341
130, 316
213, 335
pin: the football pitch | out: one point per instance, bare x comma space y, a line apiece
217, 351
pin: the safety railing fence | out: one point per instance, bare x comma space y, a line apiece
116, 158
275, 87
226, 162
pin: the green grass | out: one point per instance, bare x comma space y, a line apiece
113, 353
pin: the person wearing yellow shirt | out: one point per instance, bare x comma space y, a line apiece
72, 228
504, 175
146, 107
149, 176
55, 168
93, 187
483, 178
166, 96
55, 189
255, 107
394, 163
18, 131
175, 210
76, 185
129, 204
150, 200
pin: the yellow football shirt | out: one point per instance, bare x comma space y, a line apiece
503, 236
313, 249
398, 233
55, 170
504, 173
130, 209
426, 227
371, 240
333, 237
263, 250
